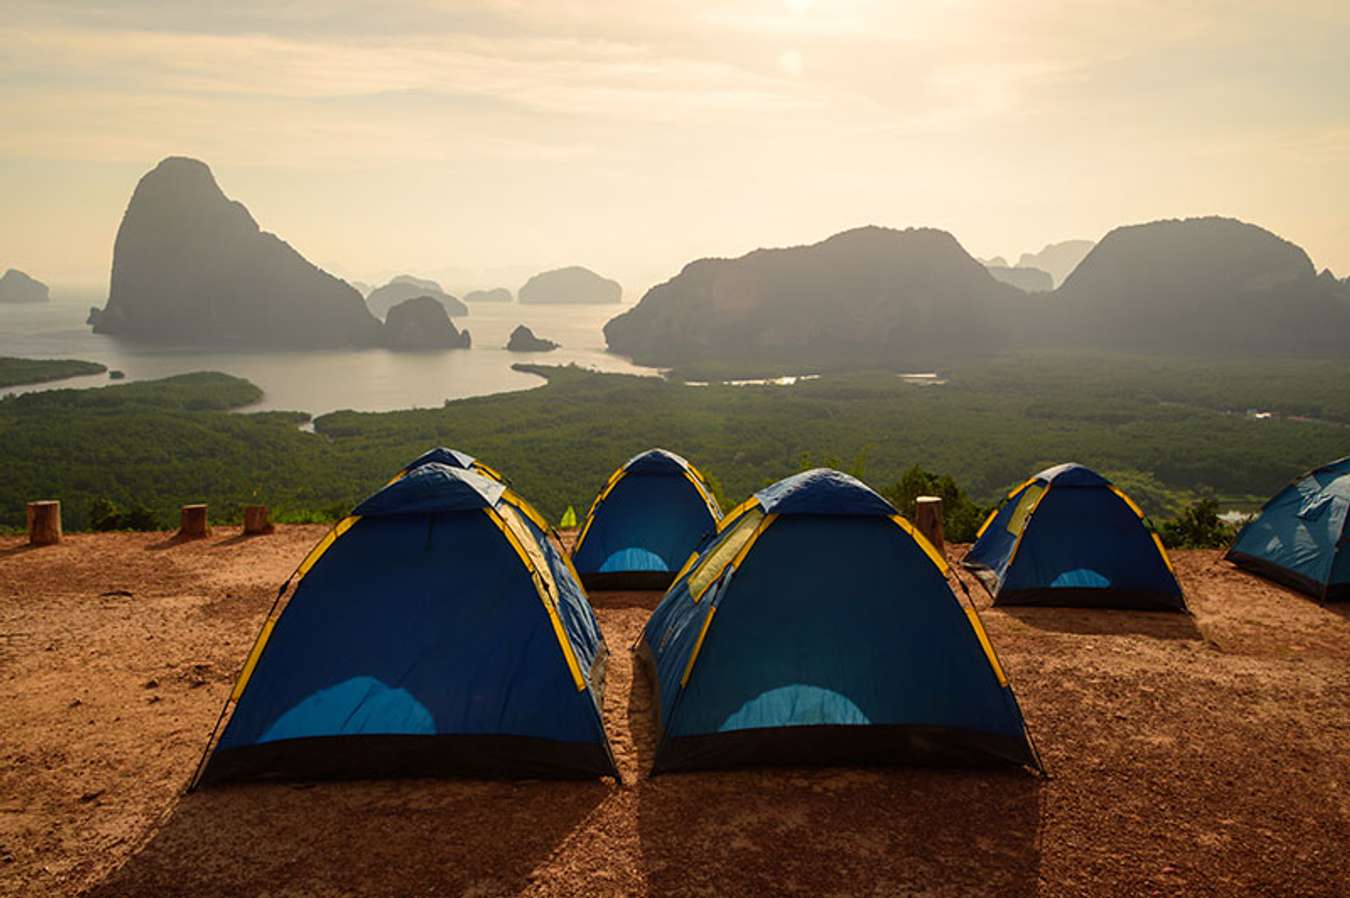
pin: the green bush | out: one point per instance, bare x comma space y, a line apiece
961, 516
1197, 527
104, 514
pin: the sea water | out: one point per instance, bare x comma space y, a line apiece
319, 381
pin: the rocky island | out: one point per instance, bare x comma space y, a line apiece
496, 294
570, 285
1200, 284
422, 323
1029, 280
523, 340
865, 296
192, 266
404, 287
17, 287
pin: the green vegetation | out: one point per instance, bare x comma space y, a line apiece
1197, 527
104, 514
14, 372
1168, 431
961, 517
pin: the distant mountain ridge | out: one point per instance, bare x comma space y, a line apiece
406, 287
191, 265
573, 284
1202, 284
867, 295
1031, 280
882, 296
1057, 259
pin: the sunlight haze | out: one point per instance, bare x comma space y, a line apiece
474, 141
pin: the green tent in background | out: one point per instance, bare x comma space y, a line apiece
569, 518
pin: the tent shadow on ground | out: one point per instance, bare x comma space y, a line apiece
1107, 622
846, 831
833, 831
406, 837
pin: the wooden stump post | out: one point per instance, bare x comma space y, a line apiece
256, 520
192, 522
44, 522
928, 518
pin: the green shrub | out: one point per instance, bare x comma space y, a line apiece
104, 514
1197, 527
961, 516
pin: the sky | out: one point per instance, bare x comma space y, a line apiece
477, 141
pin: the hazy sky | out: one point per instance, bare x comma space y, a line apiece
487, 135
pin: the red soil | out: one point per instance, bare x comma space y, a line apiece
1204, 755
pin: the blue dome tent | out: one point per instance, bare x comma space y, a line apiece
1068, 536
1301, 538
451, 458
652, 513
818, 627
437, 630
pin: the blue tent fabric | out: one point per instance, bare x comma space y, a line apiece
1066, 537
432, 487
1300, 536
834, 639
822, 491
418, 643
653, 512
442, 455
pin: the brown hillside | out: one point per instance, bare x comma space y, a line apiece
1203, 755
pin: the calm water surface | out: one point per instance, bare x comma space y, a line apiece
319, 381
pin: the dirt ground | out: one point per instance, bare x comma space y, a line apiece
1205, 755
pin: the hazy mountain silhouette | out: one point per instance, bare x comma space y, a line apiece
405, 287
570, 285
1030, 280
1200, 284
497, 294
523, 340
422, 323
880, 296
1058, 259
191, 265
17, 287
870, 295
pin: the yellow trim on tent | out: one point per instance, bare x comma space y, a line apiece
719, 559
1026, 523
1157, 541
265, 633
928, 548
1139, 512
397, 477
1021, 486
735, 513
688, 563
522, 541
987, 521
754, 537
712, 571
595, 503
253, 657
698, 647
487, 471
985, 644
329, 538
526, 508
713, 508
